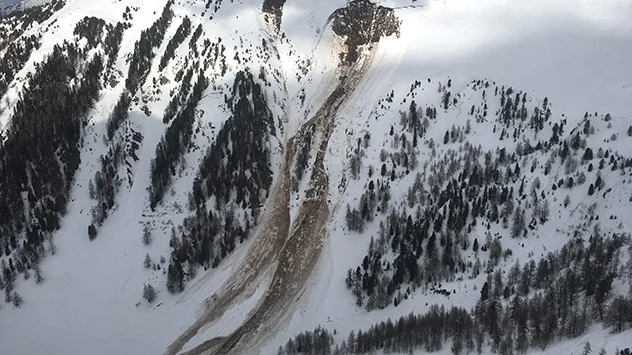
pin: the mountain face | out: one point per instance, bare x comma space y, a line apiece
303, 177
9, 5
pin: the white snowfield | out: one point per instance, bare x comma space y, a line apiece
577, 53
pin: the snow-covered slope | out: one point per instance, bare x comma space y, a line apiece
289, 274
575, 54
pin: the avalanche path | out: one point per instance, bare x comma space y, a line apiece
293, 247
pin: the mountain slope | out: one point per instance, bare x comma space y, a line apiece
257, 118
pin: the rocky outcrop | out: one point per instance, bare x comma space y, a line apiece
273, 11
362, 22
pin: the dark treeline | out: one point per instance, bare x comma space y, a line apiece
18, 47
119, 114
245, 139
559, 297
303, 156
40, 154
112, 41
235, 174
174, 144
215, 55
144, 49
182, 33
90, 28
105, 185
14, 58
107, 180
537, 304
317, 342
38, 14
464, 188
193, 41
180, 96
96, 31
216, 5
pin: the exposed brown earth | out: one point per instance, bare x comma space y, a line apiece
293, 246
270, 237
299, 255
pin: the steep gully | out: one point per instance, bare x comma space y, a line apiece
292, 246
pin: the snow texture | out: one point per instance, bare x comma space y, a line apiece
576, 53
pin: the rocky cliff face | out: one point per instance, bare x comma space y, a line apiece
273, 10
362, 22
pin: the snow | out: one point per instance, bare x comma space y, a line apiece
576, 53
87, 304
229, 322
7, 3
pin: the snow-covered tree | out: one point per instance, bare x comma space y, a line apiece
149, 293
147, 238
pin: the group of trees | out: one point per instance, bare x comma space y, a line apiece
149, 293
421, 240
17, 46
245, 138
182, 33
429, 332
180, 96
90, 28
107, 180
530, 307
236, 175
303, 156
112, 41
46, 127
22, 18
317, 342
93, 28
119, 114
194, 38
215, 4
14, 58
30, 14
40, 153
561, 297
213, 53
174, 144
105, 185
439, 226
143, 55
177, 138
